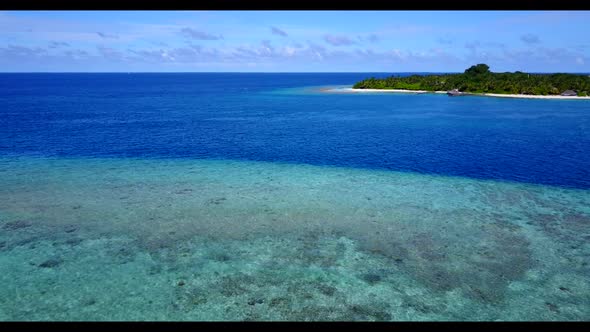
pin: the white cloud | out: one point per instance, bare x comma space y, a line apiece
107, 36
199, 35
338, 40
277, 31
530, 38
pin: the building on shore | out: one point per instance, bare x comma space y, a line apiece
455, 92
569, 93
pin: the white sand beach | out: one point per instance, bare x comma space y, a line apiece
531, 96
352, 90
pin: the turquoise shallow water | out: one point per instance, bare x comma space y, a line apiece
141, 239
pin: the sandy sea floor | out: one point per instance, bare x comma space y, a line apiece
131, 239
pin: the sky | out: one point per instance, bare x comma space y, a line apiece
293, 41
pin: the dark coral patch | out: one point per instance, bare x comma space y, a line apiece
18, 224
51, 263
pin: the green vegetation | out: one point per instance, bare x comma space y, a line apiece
479, 79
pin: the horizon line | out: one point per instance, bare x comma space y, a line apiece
263, 72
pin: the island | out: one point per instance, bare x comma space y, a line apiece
479, 80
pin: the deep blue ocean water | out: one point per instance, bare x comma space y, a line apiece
264, 117
217, 197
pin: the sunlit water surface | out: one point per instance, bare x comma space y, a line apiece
262, 197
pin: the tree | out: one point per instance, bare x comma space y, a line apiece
478, 69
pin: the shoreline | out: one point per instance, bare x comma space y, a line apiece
351, 90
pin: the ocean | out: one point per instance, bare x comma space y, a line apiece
254, 196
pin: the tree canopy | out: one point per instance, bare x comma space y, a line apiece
479, 79
481, 68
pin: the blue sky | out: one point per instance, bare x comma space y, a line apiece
293, 41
